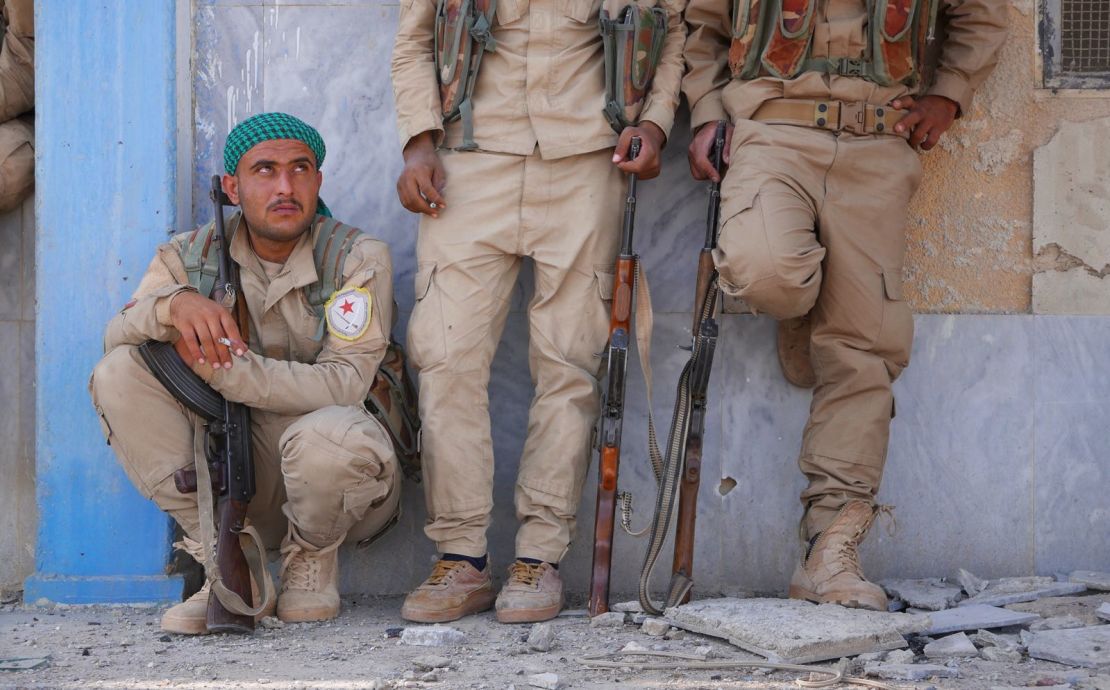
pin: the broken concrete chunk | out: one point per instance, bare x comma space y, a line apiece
1011, 590
627, 607
795, 631
430, 662
985, 638
655, 627
971, 584
24, 663
1087, 647
547, 681
909, 671
901, 656
932, 594
957, 645
1007, 655
432, 636
541, 637
1056, 623
612, 619
1104, 611
869, 657
632, 647
976, 617
1091, 578
574, 613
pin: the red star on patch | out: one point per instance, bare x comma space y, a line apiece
347, 307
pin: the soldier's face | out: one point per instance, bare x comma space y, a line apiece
276, 185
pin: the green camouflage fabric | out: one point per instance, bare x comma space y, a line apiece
747, 31
633, 45
791, 35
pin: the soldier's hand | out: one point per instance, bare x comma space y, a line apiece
648, 163
422, 181
201, 323
928, 119
701, 151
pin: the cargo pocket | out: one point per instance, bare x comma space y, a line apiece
508, 11
427, 344
582, 11
731, 253
896, 331
605, 276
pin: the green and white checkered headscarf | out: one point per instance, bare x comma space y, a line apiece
265, 127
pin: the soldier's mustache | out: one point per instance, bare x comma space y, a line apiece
283, 202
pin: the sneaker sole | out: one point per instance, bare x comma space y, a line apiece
528, 615
475, 603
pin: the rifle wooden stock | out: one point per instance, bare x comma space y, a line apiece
611, 420
234, 569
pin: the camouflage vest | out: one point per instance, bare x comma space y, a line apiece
392, 399
633, 44
463, 33
773, 37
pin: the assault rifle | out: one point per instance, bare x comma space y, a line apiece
682, 467
228, 465
611, 421
704, 336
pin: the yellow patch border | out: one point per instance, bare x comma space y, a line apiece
369, 313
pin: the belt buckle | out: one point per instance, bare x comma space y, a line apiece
853, 117
851, 67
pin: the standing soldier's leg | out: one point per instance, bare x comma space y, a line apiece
571, 211
342, 482
467, 265
862, 332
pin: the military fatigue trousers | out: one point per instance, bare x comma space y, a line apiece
331, 472
814, 220
565, 215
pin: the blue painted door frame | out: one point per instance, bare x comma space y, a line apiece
106, 122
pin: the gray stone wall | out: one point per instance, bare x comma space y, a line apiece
18, 512
996, 461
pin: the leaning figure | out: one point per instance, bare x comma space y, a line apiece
826, 102
318, 307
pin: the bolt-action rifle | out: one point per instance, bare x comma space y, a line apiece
682, 467
228, 466
611, 421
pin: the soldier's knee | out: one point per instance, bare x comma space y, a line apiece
112, 377
334, 444
783, 289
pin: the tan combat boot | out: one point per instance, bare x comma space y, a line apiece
309, 580
453, 590
533, 593
793, 348
190, 617
831, 573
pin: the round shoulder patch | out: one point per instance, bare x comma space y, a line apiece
348, 313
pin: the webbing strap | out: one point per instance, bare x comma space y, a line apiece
256, 556
333, 243
200, 265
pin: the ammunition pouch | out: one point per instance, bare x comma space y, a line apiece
463, 33
633, 45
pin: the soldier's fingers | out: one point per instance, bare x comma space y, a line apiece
413, 199
909, 122
432, 195
439, 179
189, 337
707, 170
623, 144
218, 354
932, 139
903, 103
726, 155
920, 133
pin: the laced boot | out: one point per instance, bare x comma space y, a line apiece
533, 593
309, 580
190, 617
830, 573
793, 349
453, 590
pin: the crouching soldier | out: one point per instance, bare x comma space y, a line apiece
829, 99
319, 297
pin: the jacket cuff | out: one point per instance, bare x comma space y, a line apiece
953, 87
709, 108
660, 116
429, 122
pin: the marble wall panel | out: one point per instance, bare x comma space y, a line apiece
11, 261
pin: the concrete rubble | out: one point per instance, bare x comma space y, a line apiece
541, 638
932, 594
910, 671
975, 618
949, 647
1087, 647
794, 631
432, 636
1012, 590
1104, 611
546, 681
1092, 579
655, 627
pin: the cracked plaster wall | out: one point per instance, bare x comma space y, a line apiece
971, 228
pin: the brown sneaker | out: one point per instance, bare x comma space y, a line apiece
533, 593
453, 590
190, 617
831, 573
793, 347
309, 580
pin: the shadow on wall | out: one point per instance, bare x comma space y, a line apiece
17, 102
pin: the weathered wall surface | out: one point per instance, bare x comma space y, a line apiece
18, 514
993, 464
971, 224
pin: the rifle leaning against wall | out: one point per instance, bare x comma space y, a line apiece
682, 467
611, 421
224, 463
